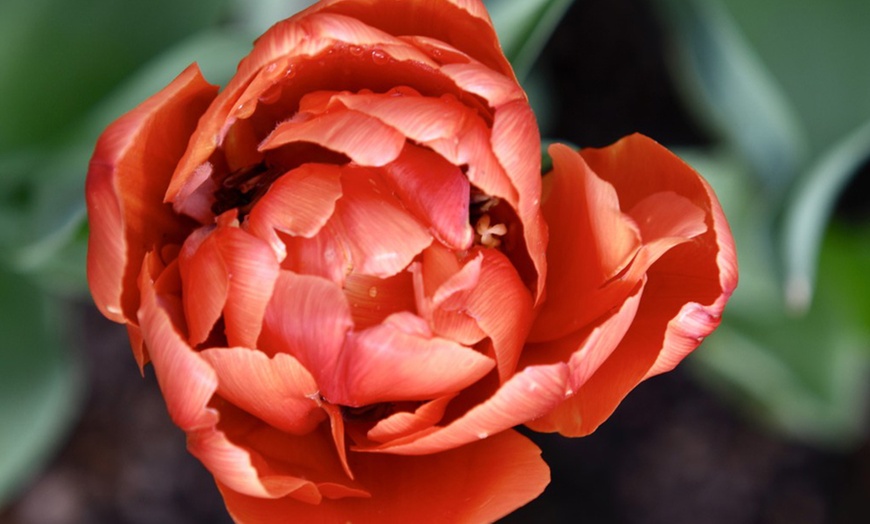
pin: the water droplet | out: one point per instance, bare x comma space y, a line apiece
290, 72
355, 50
379, 57
569, 392
373, 291
271, 67
271, 95
533, 386
482, 435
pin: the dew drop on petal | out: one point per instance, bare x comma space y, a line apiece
379, 57
355, 50
482, 435
373, 291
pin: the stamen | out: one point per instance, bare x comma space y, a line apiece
487, 234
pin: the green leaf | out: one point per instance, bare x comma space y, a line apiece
48, 239
809, 209
807, 375
40, 384
731, 90
817, 50
524, 27
59, 57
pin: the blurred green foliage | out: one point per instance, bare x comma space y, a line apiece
784, 87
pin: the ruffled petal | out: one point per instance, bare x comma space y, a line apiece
364, 139
501, 305
463, 24
400, 360
277, 390
373, 299
444, 190
404, 423
527, 395
299, 203
480, 482
380, 235
126, 213
688, 282
591, 241
230, 271
308, 317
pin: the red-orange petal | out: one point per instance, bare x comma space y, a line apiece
527, 395
299, 203
480, 482
436, 191
277, 390
591, 241
400, 360
381, 236
308, 317
131, 166
364, 139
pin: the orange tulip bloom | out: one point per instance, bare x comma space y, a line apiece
339, 267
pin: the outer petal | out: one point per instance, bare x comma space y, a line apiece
464, 24
688, 282
527, 395
591, 240
130, 169
480, 482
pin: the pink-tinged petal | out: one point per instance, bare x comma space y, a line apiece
188, 383
303, 36
373, 299
308, 317
322, 255
404, 423
230, 271
591, 241
584, 351
688, 282
399, 360
441, 290
527, 395
463, 24
299, 203
277, 390
435, 191
204, 283
364, 139
186, 380
502, 307
250, 457
480, 482
516, 143
380, 235
131, 166
451, 129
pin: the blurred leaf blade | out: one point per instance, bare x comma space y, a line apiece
40, 384
524, 27
734, 92
809, 209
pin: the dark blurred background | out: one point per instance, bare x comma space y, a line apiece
682, 448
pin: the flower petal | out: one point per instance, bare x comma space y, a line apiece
404, 423
380, 235
126, 212
444, 190
277, 390
299, 203
591, 241
349, 132
527, 395
399, 360
308, 317
480, 482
